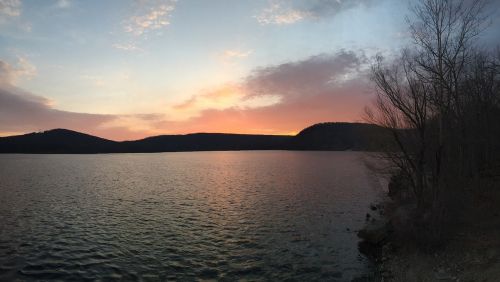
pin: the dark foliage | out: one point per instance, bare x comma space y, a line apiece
441, 101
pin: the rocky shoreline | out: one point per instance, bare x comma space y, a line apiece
375, 239
471, 253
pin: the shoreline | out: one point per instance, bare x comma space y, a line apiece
471, 252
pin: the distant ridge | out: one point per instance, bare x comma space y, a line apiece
323, 136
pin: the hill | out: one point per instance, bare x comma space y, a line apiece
340, 136
323, 136
56, 141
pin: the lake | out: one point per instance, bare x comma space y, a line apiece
252, 215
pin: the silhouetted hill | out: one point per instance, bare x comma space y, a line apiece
323, 136
339, 136
56, 141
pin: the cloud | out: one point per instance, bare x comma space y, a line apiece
281, 12
23, 111
325, 8
152, 15
307, 77
10, 8
221, 97
313, 76
224, 97
290, 96
10, 74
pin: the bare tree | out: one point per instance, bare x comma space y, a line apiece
403, 107
425, 97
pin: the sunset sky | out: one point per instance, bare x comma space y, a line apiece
129, 69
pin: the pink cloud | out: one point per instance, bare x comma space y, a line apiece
321, 88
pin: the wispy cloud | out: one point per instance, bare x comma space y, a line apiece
10, 74
10, 8
152, 16
281, 12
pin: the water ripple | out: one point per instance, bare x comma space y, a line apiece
182, 216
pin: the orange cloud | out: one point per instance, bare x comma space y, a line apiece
221, 97
321, 88
224, 97
346, 104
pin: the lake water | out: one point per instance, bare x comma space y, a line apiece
257, 215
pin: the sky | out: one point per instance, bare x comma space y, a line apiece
128, 69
